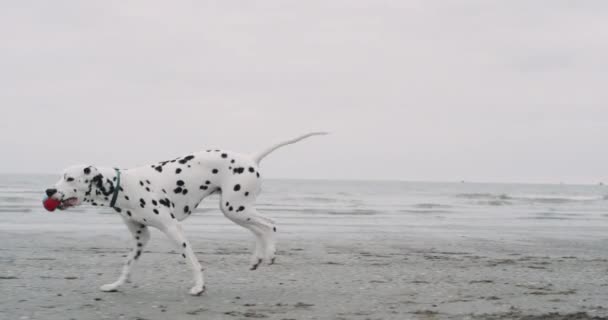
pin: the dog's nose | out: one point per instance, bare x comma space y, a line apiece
50, 192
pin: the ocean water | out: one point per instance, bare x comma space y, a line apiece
357, 207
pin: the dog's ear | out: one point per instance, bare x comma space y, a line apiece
104, 186
90, 171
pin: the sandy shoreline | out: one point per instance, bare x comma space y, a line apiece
56, 275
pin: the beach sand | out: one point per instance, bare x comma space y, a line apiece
318, 275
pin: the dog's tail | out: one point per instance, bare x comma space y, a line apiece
259, 156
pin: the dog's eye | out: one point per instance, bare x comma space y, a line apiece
70, 179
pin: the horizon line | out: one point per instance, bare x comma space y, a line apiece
599, 183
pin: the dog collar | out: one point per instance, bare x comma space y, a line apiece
116, 189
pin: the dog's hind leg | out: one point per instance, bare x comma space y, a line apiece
175, 233
267, 229
141, 235
263, 229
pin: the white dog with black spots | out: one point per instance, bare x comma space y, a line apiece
164, 194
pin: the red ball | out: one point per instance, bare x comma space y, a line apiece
51, 204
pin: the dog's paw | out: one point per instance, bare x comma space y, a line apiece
197, 290
111, 287
255, 264
270, 256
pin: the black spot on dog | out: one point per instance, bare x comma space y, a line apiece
238, 170
246, 194
224, 155
126, 197
129, 214
257, 174
154, 202
70, 179
87, 170
178, 190
184, 255
118, 210
230, 209
148, 181
227, 204
232, 161
184, 244
139, 244
237, 187
159, 169
155, 211
178, 170
186, 159
186, 209
137, 254
214, 171
185, 192
165, 202
204, 187
241, 208
207, 182
147, 189
141, 183
180, 183
172, 216
251, 169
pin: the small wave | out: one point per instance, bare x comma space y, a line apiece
354, 212
13, 199
482, 196
424, 211
319, 199
432, 206
556, 199
502, 199
495, 203
15, 210
544, 218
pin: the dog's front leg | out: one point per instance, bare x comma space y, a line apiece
175, 233
141, 235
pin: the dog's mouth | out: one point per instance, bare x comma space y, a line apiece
68, 203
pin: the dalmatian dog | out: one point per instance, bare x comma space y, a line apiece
164, 194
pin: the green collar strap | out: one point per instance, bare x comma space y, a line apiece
116, 189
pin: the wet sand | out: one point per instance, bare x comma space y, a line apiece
318, 275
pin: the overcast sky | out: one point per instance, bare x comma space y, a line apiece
471, 90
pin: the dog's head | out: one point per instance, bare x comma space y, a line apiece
77, 185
